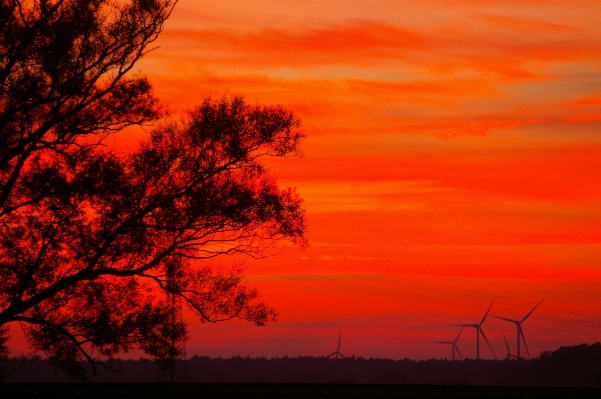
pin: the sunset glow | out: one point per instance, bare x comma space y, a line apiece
453, 156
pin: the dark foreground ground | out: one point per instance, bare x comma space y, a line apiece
575, 366
265, 390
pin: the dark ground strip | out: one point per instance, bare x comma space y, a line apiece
243, 390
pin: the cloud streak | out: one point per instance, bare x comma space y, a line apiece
510, 48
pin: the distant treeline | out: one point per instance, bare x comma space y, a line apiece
577, 366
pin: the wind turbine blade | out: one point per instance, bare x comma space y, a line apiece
331, 354
486, 314
341, 355
489, 345
506, 344
459, 353
458, 335
529, 313
339, 336
443, 342
504, 318
524, 339
465, 325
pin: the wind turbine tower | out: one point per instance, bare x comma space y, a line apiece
453, 346
337, 353
479, 331
518, 323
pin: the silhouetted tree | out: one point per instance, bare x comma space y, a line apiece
63, 66
88, 237
3, 352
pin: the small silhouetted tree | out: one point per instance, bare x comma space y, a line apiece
89, 236
3, 352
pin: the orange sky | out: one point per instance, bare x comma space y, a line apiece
453, 155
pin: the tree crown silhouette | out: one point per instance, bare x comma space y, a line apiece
92, 240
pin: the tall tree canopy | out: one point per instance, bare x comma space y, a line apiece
92, 240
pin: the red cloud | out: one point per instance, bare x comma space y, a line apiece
494, 48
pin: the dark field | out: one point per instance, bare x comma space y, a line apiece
232, 390
569, 372
575, 366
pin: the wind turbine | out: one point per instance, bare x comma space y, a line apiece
479, 331
518, 323
454, 346
337, 353
509, 355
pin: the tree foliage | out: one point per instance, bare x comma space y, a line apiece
92, 240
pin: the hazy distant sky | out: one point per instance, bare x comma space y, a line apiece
453, 155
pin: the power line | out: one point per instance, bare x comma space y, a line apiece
456, 297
